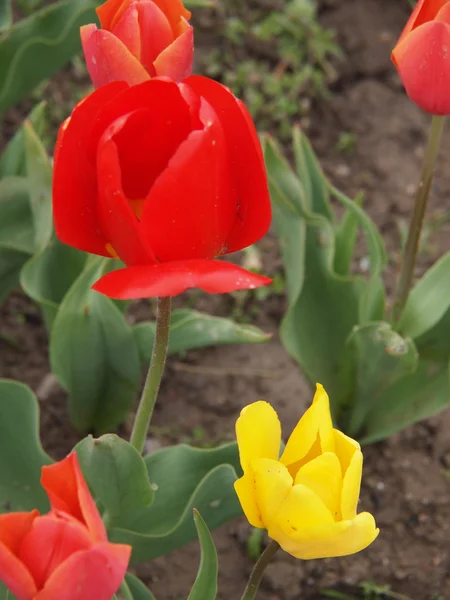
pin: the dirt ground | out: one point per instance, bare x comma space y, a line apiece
405, 482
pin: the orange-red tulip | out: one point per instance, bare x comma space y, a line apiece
65, 554
139, 39
422, 56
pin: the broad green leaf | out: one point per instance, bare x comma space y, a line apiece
434, 344
428, 301
12, 161
411, 399
47, 276
36, 47
183, 478
5, 14
16, 231
21, 453
94, 355
378, 357
116, 474
205, 585
323, 306
346, 236
5, 594
194, 329
136, 588
39, 179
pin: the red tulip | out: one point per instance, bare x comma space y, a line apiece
139, 39
422, 56
65, 554
167, 177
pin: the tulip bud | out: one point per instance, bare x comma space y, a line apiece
422, 56
139, 39
307, 498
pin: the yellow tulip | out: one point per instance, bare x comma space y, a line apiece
307, 499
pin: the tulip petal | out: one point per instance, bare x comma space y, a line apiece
245, 490
74, 177
247, 165
175, 61
173, 278
51, 540
351, 486
424, 10
176, 14
258, 433
422, 61
110, 12
330, 539
128, 31
344, 447
108, 59
155, 34
323, 476
68, 492
195, 225
13, 573
272, 483
313, 434
94, 574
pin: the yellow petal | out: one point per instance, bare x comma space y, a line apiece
324, 477
313, 432
302, 509
245, 490
344, 447
351, 486
258, 433
329, 540
273, 483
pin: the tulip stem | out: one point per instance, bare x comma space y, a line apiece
415, 227
258, 571
155, 372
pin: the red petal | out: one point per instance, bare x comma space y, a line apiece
156, 33
68, 492
176, 60
110, 12
118, 222
95, 574
13, 573
51, 540
74, 177
247, 164
175, 13
108, 59
128, 31
424, 11
424, 67
173, 278
191, 207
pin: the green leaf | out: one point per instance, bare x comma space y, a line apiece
47, 276
409, 400
38, 46
5, 14
346, 236
21, 453
199, 3
16, 231
5, 594
94, 355
39, 178
194, 329
116, 474
205, 585
378, 358
137, 589
183, 478
434, 344
428, 301
12, 161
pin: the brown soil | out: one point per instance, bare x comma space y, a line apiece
405, 481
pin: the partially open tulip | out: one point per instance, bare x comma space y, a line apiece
65, 554
139, 39
167, 177
422, 56
307, 499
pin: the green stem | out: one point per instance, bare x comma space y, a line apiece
415, 228
156, 369
258, 571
